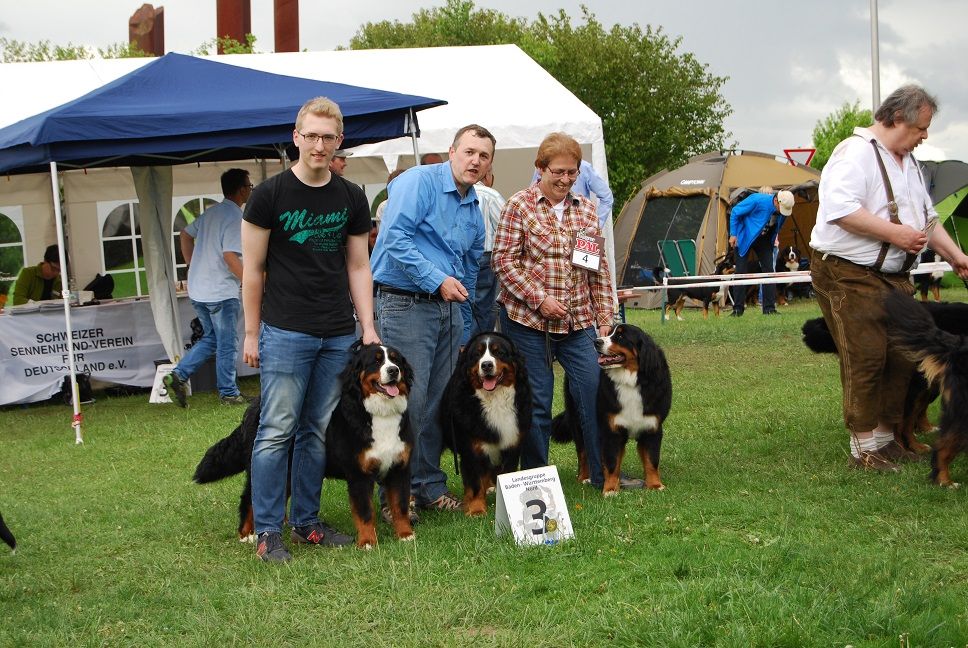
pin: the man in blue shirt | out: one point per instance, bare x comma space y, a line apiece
425, 263
754, 224
212, 248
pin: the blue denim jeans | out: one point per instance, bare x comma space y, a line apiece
766, 254
577, 356
428, 334
484, 313
221, 339
300, 389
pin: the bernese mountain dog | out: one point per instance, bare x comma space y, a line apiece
949, 317
368, 440
485, 413
787, 260
943, 359
634, 399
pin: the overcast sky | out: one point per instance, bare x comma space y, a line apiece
789, 63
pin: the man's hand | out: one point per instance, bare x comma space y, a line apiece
250, 350
909, 239
370, 336
732, 241
452, 290
959, 263
551, 308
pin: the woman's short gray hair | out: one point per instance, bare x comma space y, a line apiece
908, 101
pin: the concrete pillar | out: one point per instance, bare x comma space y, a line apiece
146, 29
286, 25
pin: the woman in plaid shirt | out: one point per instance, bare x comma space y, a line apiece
552, 308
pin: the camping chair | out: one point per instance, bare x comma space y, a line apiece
679, 257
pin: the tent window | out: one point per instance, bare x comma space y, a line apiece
672, 217
185, 215
11, 249
121, 247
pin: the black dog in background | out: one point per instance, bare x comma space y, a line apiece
7, 536
948, 317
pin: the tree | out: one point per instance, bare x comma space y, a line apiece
835, 128
14, 51
658, 106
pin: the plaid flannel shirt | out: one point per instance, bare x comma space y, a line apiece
532, 260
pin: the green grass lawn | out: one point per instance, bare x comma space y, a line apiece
763, 537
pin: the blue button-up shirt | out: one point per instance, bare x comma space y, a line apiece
428, 232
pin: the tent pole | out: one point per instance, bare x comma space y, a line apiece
66, 296
413, 137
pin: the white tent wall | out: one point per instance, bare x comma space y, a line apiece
85, 190
31, 196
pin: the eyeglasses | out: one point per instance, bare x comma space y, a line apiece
313, 138
250, 186
558, 173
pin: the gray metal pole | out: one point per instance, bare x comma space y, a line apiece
875, 60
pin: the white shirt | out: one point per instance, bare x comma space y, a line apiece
850, 180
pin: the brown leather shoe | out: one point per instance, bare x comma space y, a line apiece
873, 461
894, 451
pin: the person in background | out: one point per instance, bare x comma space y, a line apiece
483, 311
338, 163
380, 198
590, 183
37, 283
303, 277
551, 307
425, 264
754, 225
875, 216
212, 248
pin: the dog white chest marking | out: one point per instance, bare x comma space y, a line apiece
631, 415
385, 425
500, 413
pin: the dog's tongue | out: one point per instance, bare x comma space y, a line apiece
391, 389
490, 382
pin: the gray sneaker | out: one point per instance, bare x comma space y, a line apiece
238, 399
271, 549
320, 534
177, 389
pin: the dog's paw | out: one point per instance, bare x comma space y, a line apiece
611, 493
250, 539
490, 490
366, 547
409, 538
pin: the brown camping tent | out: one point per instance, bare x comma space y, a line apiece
692, 202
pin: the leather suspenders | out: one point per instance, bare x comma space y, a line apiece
892, 211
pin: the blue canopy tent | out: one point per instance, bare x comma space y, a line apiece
179, 109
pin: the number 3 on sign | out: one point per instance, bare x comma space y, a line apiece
531, 505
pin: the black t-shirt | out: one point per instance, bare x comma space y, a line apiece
307, 289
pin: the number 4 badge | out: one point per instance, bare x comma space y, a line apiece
587, 252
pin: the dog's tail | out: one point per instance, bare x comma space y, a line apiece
817, 336
912, 329
565, 425
7, 536
231, 455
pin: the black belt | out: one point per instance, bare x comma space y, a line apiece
417, 296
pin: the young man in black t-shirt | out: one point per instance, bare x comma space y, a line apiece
306, 266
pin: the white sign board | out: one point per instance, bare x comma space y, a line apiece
532, 506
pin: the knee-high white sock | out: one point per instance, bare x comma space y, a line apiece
859, 445
883, 435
